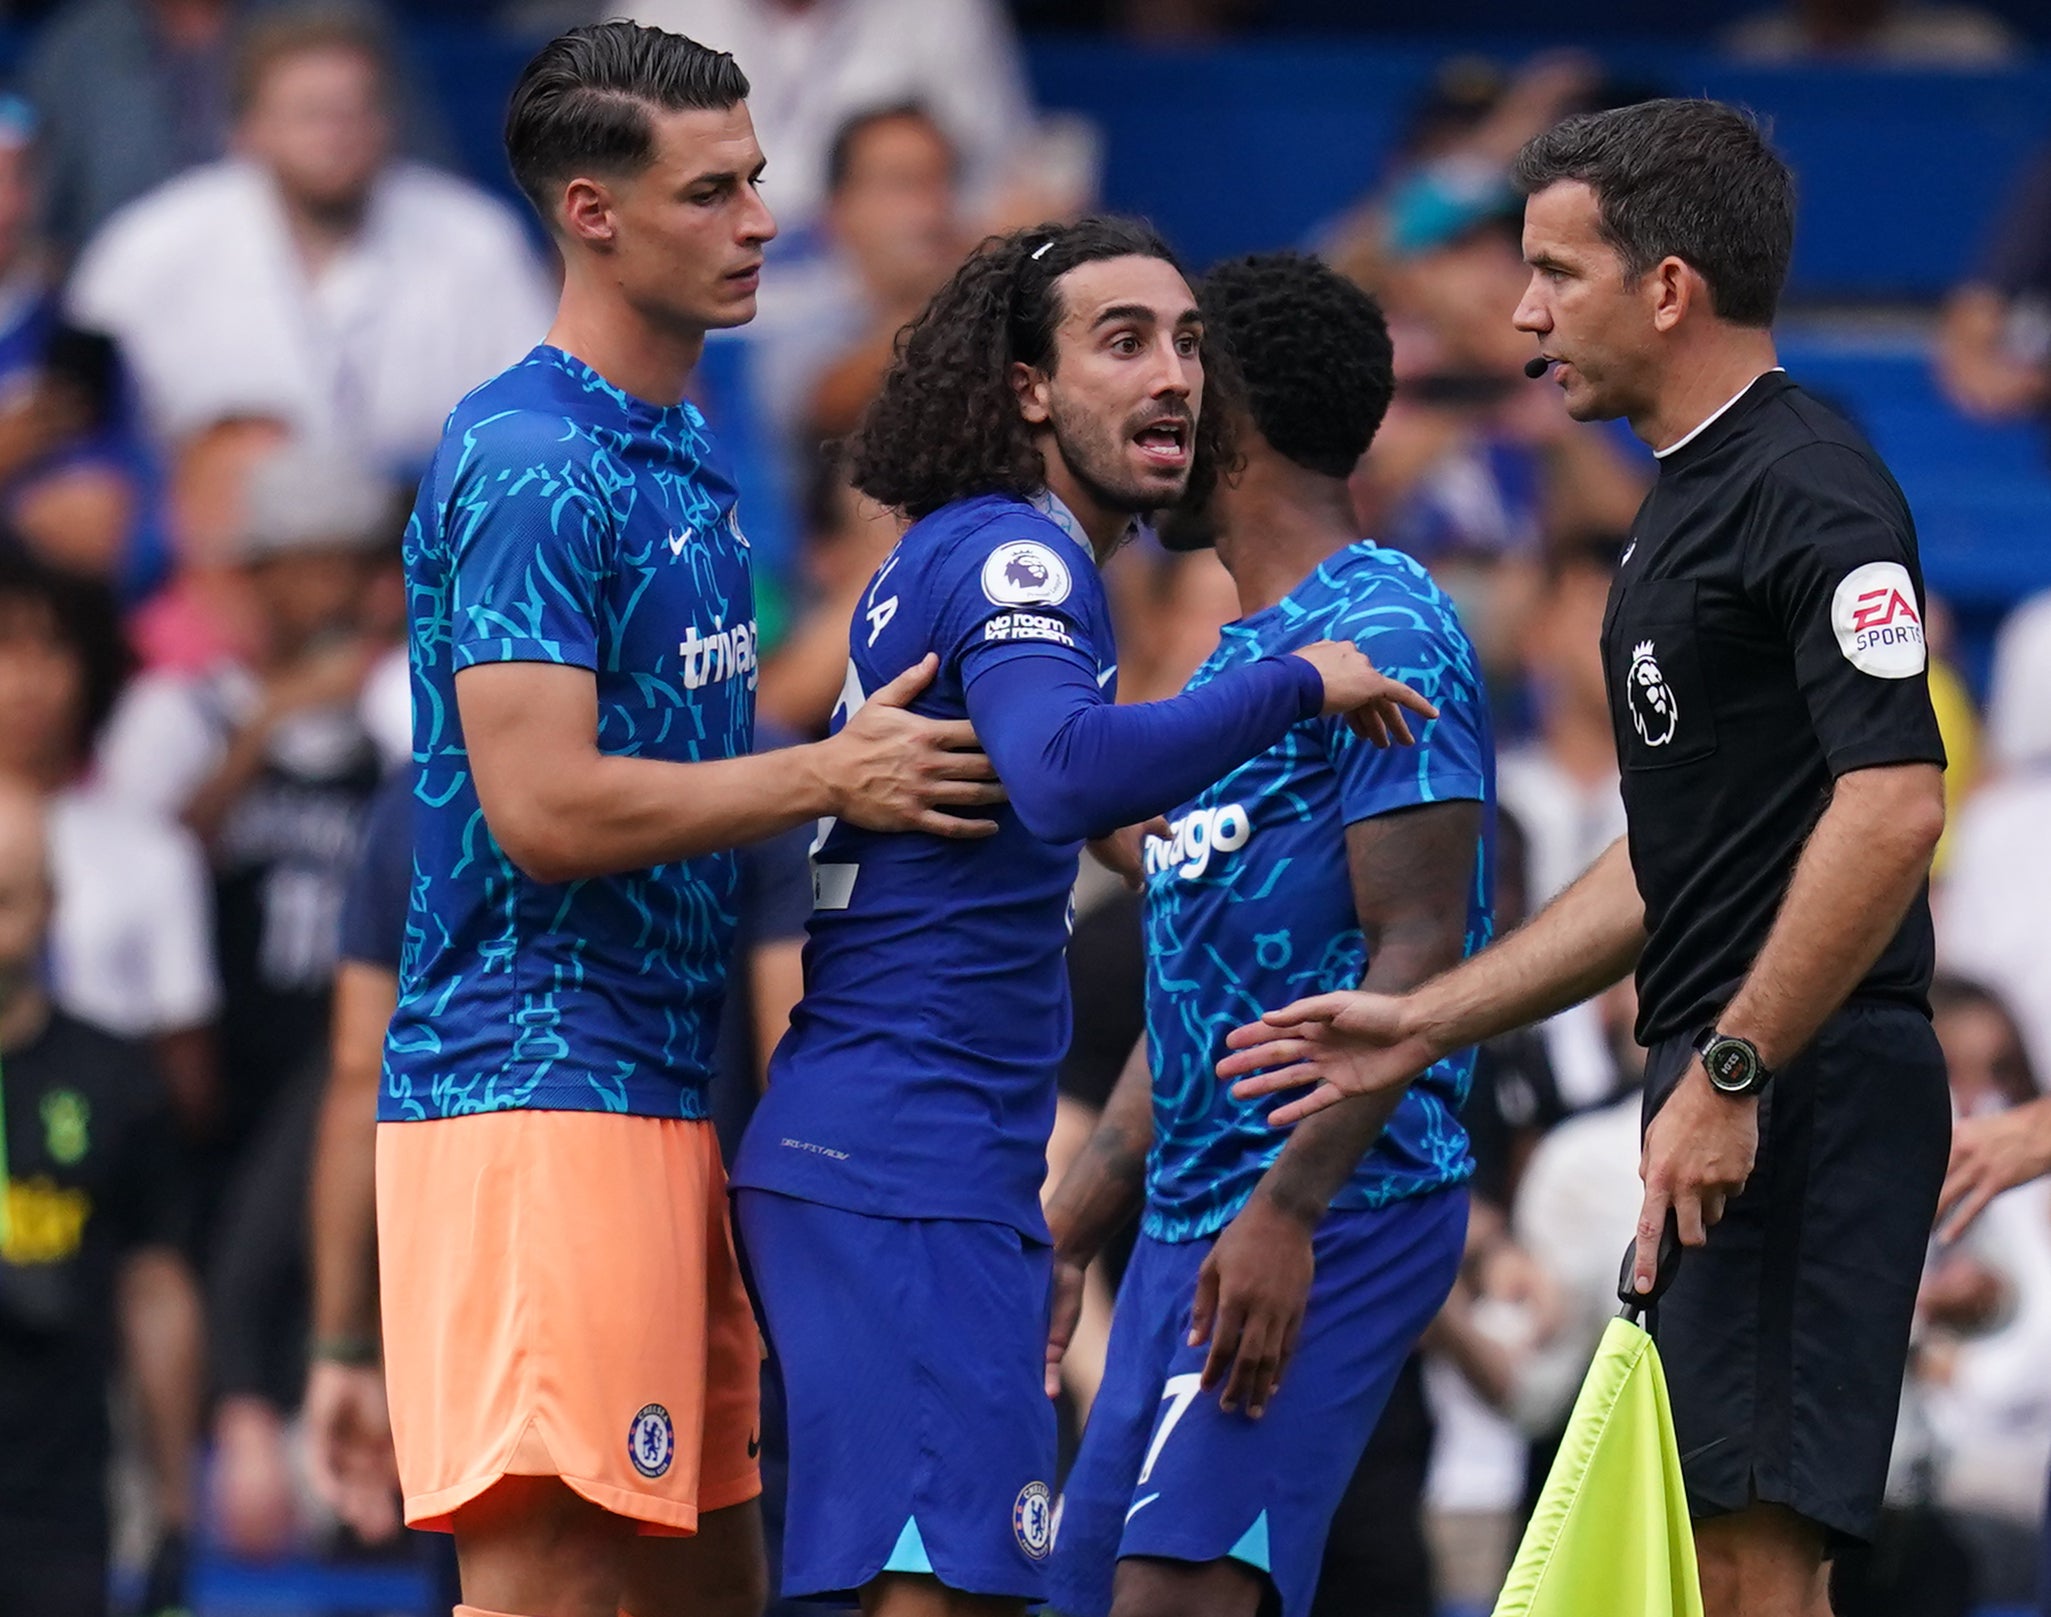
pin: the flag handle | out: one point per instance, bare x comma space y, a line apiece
1665, 1267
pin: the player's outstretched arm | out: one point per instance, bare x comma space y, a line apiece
1097, 1198
1079, 766
1359, 1043
564, 811
1412, 871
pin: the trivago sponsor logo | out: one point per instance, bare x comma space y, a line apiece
1194, 839
722, 654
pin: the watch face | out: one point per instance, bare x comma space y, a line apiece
1730, 1064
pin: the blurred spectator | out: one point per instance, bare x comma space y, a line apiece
814, 64
1994, 343
847, 535
312, 277
1477, 466
1997, 885
91, 1275
1455, 148
131, 941
2018, 730
203, 613
1897, 33
135, 91
1979, 1406
892, 216
138, 91
267, 760
1561, 785
74, 480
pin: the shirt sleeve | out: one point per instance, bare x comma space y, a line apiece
1016, 588
380, 887
531, 543
1076, 765
1830, 557
1451, 761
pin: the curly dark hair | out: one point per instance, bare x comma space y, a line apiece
946, 423
1312, 352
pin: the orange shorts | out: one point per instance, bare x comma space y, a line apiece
561, 1298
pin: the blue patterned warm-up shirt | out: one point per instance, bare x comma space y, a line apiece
565, 522
1250, 904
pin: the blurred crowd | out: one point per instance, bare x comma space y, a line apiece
239, 293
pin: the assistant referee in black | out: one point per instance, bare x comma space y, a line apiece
1782, 779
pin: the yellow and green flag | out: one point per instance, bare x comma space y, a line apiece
1610, 1536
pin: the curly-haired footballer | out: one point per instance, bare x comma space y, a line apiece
1051, 394
1206, 1475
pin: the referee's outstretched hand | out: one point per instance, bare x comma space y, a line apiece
1990, 1155
893, 770
1348, 1044
1372, 703
1699, 1151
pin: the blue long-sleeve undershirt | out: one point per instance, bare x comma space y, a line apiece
1077, 766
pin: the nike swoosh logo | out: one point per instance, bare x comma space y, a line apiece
677, 541
1104, 679
1713, 1443
1139, 1505
754, 1444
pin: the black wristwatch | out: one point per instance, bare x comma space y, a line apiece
1733, 1064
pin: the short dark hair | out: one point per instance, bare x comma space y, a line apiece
1312, 351
581, 106
280, 35
946, 423
83, 617
1695, 180
840, 156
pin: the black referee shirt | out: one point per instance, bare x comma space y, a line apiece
1764, 636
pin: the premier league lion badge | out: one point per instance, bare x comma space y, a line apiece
1654, 712
1025, 572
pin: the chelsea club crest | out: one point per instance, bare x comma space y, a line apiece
1032, 1520
651, 1441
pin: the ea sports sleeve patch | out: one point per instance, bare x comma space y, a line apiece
1878, 623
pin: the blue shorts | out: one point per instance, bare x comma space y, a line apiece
912, 1354
1164, 1472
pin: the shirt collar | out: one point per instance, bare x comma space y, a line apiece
1714, 416
1051, 506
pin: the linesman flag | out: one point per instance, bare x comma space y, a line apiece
1610, 1536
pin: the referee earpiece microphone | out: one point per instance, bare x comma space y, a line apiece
1535, 368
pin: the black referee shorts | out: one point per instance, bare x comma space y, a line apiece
1785, 1337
